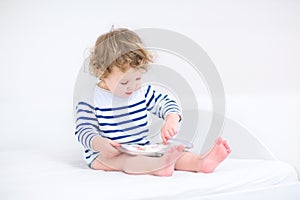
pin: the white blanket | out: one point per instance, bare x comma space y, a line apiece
42, 175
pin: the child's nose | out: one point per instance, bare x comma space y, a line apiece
130, 86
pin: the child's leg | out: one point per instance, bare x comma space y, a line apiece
160, 166
192, 162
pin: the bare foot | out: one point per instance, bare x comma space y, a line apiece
169, 159
219, 152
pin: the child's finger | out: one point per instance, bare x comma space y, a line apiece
164, 139
173, 132
115, 144
168, 134
163, 136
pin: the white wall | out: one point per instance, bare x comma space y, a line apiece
254, 44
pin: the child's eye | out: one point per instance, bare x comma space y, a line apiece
139, 78
124, 83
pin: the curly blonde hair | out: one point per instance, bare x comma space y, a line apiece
121, 48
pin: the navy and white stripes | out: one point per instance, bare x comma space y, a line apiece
159, 104
86, 124
119, 119
86, 129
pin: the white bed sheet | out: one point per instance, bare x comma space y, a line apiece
41, 175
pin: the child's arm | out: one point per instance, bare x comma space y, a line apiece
86, 124
170, 127
88, 133
166, 108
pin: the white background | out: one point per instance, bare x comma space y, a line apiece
255, 46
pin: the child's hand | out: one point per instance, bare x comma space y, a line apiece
109, 149
170, 127
106, 147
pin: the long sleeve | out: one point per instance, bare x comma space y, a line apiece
160, 104
86, 124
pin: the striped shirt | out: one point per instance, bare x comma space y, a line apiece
124, 120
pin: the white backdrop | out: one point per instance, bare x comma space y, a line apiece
254, 44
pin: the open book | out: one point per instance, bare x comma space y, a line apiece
155, 150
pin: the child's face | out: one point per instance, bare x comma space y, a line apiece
123, 84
